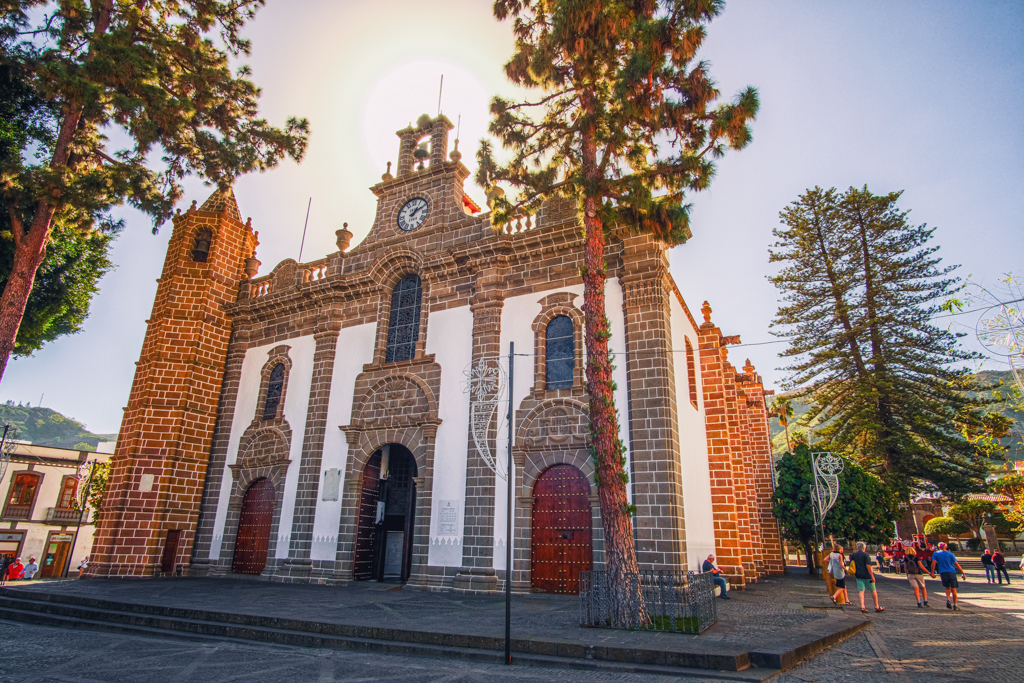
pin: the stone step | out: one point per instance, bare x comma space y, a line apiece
65, 611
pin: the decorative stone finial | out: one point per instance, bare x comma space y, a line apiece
252, 266
424, 121
456, 155
748, 367
344, 237
193, 207
706, 310
387, 174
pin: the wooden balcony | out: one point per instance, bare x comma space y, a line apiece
63, 516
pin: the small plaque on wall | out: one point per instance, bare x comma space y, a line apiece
332, 482
447, 518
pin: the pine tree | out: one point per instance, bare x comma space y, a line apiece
625, 127
860, 286
155, 72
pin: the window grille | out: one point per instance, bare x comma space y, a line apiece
404, 322
274, 391
560, 353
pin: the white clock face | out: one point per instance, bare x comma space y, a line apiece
412, 215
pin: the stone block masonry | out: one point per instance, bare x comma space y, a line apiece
159, 466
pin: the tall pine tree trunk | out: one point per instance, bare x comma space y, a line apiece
30, 246
29, 252
620, 551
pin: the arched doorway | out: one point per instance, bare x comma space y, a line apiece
254, 522
562, 544
387, 506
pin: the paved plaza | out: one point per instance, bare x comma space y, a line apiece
982, 642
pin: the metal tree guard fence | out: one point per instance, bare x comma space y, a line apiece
650, 600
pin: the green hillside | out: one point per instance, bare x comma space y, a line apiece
1015, 441
46, 427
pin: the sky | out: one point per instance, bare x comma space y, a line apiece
919, 96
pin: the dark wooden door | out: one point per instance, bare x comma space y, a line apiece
365, 565
170, 550
253, 538
562, 542
55, 557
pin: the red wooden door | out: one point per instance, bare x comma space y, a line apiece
363, 568
253, 538
562, 544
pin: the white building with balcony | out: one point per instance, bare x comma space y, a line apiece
39, 516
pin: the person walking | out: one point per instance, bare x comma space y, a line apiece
990, 567
947, 566
30, 569
915, 575
716, 575
837, 568
865, 576
1000, 564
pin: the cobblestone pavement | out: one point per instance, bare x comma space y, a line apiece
38, 654
982, 642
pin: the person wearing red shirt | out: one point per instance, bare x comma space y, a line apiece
16, 570
1000, 562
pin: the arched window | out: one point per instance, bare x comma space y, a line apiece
559, 352
274, 390
691, 372
404, 322
202, 246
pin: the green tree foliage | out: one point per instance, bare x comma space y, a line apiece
944, 526
46, 427
973, 514
1003, 526
860, 285
74, 261
96, 487
625, 125
154, 74
782, 410
864, 511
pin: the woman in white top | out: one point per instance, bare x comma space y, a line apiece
837, 568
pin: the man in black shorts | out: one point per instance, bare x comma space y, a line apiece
946, 565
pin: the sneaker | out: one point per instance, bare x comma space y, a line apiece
956, 608
949, 605
725, 597
918, 604
925, 603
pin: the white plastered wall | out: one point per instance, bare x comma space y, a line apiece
300, 376
693, 445
354, 349
517, 316
450, 339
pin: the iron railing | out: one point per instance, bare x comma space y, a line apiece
66, 515
651, 600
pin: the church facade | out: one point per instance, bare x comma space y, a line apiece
314, 424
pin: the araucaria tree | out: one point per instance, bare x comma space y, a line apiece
860, 286
625, 124
156, 73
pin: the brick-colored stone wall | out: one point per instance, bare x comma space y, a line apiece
739, 454
159, 466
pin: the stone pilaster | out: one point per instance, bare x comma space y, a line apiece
477, 572
657, 488
298, 565
206, 530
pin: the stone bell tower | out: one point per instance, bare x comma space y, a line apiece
148, 517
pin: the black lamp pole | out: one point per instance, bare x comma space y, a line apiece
508, 536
